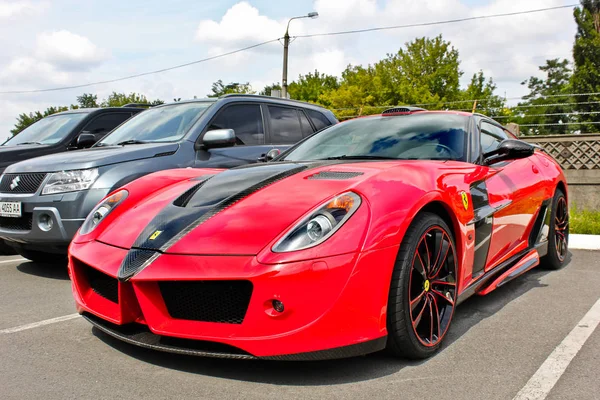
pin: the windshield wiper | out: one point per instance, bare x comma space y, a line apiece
344, 157
131, 141
19, 144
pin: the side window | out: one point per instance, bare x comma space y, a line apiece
491, 136
306, 128
285, 125
318, 119
245, 120
106, 123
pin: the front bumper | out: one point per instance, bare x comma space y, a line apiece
66, 211
334, 307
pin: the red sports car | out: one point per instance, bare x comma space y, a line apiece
362, 237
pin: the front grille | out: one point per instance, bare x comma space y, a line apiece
102, 284
21, 183
23, 223
207, 301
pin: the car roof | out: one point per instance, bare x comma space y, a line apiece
235, 96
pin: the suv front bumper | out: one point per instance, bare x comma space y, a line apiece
63, 213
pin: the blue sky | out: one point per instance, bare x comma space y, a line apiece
64, 42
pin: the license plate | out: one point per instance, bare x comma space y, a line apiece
10, 209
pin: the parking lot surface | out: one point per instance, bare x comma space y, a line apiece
495, 345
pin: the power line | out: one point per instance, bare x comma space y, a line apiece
275, 40
141, 74
452, 21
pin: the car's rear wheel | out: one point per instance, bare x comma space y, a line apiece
43, 258
423, 290
558, 238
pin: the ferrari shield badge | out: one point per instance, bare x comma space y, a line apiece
155, 235
465, 200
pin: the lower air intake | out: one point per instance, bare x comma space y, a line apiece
102, 284
207, 301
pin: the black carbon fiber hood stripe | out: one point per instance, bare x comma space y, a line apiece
213, 196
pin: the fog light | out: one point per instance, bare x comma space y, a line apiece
278, 306
45, 222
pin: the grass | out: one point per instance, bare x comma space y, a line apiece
584, 222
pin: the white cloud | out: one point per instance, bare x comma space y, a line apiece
68, 50
9, 9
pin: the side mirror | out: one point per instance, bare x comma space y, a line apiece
509, 149
85, 140
219, 138
270, 156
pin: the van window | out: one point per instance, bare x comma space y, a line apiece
245, 120
318, 119
285, 125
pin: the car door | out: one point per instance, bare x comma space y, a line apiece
512, 193
248, 123
104, 123
287, 126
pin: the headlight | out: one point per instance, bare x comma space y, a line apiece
70, 181
102, 210
320, 225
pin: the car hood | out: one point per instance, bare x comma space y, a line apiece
12, 154
238, 211
92, 158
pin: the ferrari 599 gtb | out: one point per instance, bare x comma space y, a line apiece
363, 237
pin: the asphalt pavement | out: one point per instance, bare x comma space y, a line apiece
495, 346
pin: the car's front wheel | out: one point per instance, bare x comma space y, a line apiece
423, 290
558, 238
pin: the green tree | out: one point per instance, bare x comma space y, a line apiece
219, 88
586, 55
546, 101
311, 86
269, 88
482, 90
120, 99
26, 119
88, 100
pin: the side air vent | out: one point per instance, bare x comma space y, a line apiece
398, 110
334, 175
168, 153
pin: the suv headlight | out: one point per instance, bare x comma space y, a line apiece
320, 225
70, 181
100, 212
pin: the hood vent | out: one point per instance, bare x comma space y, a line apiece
334, 175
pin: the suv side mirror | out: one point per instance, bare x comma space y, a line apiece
219, 138
85, 140
509, 149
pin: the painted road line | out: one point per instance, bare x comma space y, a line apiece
13, 260
584, 242
542, 382
38, 324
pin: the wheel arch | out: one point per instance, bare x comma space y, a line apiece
445, 212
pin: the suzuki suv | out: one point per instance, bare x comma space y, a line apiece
44, 201
64, 131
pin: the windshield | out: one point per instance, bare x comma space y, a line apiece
49, 130
161, 124
419, 136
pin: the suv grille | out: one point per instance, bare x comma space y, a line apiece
208, 301
23, 223
21, 183
102, 284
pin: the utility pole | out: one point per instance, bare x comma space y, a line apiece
286, 45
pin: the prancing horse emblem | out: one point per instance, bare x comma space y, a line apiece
15, 183
465, 200
155, 235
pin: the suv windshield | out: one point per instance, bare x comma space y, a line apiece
162, 124
49, 130
419, 136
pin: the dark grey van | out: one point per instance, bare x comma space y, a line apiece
44, 201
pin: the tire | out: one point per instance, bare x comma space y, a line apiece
43, 258
558, 238
6, 250
408, 334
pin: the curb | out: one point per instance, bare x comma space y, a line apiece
584, 242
